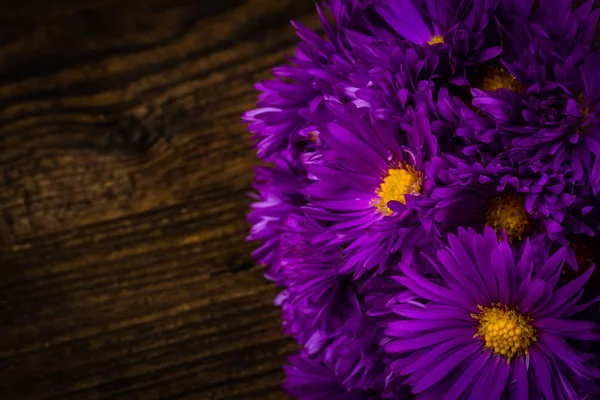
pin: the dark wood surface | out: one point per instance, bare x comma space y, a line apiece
124, 169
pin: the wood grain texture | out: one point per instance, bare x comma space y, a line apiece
124, 170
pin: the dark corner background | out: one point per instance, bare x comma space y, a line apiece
124, 170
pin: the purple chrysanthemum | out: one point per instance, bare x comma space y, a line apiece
291, 103
461, 197
555, 27
496, 324
278, 195
458, 28
308, 378
431, 165
535, 195
556, 121
318, 303
364, 185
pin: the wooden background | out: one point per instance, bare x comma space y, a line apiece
124, 170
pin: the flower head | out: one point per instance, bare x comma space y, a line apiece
460, 29
555, 120
365, 185
493, 312
554, 29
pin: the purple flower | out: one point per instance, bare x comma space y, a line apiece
406, 19
277, 122
291, 103
555, 29
556, 120
349, 349
541, 186
365, 183
395, 75
430, 204
461, 198
358, 357
459, 129
277, 195
457, 27
497, 323
310, 379
318, 303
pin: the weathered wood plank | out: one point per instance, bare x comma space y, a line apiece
124, 169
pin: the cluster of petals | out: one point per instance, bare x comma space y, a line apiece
427, 200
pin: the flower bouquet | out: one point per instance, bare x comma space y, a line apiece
428, 200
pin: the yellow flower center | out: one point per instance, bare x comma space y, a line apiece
507, 212
397, 183
585, 111
436, 39
494, 79
504, 330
